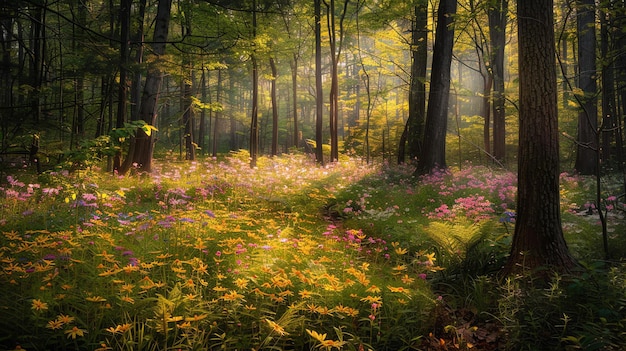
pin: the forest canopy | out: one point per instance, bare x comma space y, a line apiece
88, 80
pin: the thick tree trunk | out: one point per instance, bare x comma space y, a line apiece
142, 145
417, 92
587, 147
538, 238
434, 152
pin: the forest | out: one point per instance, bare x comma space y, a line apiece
292, 175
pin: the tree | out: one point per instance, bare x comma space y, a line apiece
142, 144
434, 152
254, 120
587, 147
497, 14
335, 54
319, 99
414, 128
538, 238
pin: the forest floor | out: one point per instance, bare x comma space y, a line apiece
290, 255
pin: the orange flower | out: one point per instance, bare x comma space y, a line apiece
74, 332
39, 305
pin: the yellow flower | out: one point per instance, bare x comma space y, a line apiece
349, 311
399, 268
373, 299
120, 328
276, 327
127, 288
56, 324
305, 294
430, 259
196, 318
124, 327
407, 280
103, 347
65, 319
401, 251
128, 299
329, 344
190, 296
317, 336
39, 305
373, 289
232, 296
242, 283
398, 289
74, 332
95, 299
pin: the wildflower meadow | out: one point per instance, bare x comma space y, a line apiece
215, 255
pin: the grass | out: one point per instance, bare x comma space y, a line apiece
289, 256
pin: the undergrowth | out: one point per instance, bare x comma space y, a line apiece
293, 256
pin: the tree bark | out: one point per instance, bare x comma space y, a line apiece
319, 99
498, 15
434, 152
538, 238
417, 91
587, 147
142, 144
294, 93
274, 107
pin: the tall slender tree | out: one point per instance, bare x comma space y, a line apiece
274, 106
587, 146
434, 152
336, 43
498, 15
254, 120
538, 238
319, 98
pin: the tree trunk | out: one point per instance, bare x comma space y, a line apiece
587, 148
319, 99
234, 144
417, 93
434, 152
538, 238
218, 112
497, 29
125, 7
254, 121
142, 144
202, 127
294, 90
6, 82
335, 54
274, 108
486, 108
190, 146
